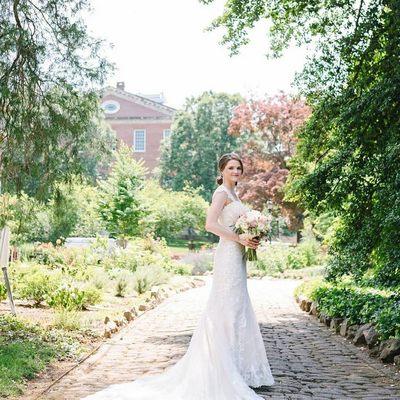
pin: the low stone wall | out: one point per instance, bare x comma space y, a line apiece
388, 351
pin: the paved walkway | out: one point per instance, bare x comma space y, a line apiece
307, 360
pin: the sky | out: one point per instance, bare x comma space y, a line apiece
161, 46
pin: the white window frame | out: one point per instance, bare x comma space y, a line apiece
134, 140
163, 134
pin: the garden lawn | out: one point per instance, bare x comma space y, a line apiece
180, 246
26, 349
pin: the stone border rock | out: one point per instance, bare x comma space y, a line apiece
155, 296
388, 351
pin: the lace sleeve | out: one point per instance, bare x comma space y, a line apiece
219, 189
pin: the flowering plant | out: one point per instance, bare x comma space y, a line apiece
256, 226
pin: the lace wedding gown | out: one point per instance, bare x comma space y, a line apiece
226, 353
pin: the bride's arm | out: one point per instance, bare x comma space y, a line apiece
213, 226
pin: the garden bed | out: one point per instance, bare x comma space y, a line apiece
72, 346
366, 316
283, 260
80, 296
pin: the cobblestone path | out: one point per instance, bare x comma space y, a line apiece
307, 360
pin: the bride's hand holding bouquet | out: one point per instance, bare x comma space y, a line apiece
252, 227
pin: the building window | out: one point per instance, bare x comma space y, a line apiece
166, 133
110, 106
139, 140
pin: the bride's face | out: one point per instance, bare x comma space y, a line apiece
232, 171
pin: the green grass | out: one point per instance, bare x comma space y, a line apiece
181, 245
25, 350
20, 361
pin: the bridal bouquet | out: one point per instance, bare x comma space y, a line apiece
255, 225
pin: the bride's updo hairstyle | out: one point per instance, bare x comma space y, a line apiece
222, 164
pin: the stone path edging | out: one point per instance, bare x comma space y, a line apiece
387, 351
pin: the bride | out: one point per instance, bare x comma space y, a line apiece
226, 353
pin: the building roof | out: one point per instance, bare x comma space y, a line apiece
140, 99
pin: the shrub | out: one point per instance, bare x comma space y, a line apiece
387, 321
69, 297
67, 320
127, 259
27, 218
308, 287
120, 207
74, 262
294, 259
89, 223
172, 211
358, 304
142, 252
35, 284
181, 269
122, 283
99, 278
310, 252
275, 258
147, 276
3, 291
198, 263
272, 259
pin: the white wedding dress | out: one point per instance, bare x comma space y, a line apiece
226, 353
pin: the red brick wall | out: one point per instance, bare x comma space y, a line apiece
124, 128
154, 135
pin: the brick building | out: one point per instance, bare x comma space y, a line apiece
140, 121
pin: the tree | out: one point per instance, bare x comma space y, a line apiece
120, 206
95, 153
267, 130
348, 152
26, 217
170, 212
200, 137
49, 71
73, 210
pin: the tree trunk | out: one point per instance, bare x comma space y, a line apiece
298, 237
